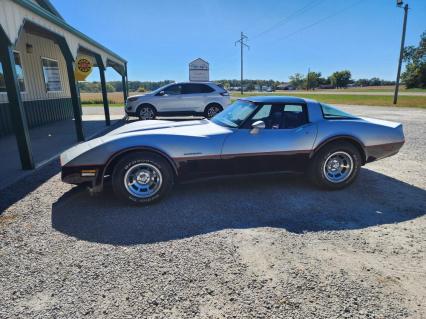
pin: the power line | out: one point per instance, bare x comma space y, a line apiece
242, 42
291, 16
321, 20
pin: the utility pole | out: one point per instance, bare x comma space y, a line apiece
242, 43
401, 53
307, 79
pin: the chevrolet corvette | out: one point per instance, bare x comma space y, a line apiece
264, 134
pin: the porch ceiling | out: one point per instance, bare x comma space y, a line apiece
15, 13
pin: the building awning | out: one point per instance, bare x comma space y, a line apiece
15, 13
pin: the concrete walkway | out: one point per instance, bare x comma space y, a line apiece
48, 142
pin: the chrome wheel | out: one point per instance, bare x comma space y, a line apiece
146, 113
212, 111
143, 180
338, 167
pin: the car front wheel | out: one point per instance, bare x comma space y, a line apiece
335, 166
142, 178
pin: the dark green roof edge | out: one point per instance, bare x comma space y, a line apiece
45, 4
61, 23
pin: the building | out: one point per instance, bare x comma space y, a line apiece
38, 50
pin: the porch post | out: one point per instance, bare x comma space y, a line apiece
73, 88
124, 83
104, 94
16, 106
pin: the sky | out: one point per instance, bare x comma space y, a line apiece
159, 38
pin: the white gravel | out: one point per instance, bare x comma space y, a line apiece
264, 247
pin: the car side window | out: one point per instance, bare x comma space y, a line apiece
279, 116
262, 114
190, 89
173, 89
294, 116
193, 88
206, 89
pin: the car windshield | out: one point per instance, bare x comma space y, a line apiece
235, 114
330, 112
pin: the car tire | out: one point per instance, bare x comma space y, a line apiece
212, 109
335, 166
146, 112
142, 178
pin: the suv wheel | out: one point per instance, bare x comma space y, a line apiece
211, 110
335, 166
146, 112
142, 178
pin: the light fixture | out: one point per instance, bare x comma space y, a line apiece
29, 48
399, 3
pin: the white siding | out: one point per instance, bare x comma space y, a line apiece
32, 68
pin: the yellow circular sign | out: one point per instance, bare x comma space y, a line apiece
83, 67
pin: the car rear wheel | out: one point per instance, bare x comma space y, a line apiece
335, 166
211, 110
146, 112
142, 178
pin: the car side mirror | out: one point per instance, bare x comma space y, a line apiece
257, 126
162, 93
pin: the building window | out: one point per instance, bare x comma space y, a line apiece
19, 71
52, 78
19, 74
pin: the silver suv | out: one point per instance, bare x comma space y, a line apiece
186, 98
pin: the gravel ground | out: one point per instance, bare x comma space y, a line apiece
269, 247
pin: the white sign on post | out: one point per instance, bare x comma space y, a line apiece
199, 71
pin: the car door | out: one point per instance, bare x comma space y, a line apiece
193, 97
169, 100
283, 145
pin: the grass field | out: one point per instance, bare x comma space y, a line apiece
378, 100
116, 98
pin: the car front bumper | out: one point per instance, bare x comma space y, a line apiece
77, 175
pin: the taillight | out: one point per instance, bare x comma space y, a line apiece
224, 93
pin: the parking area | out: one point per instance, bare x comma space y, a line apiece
265, 247
49, 140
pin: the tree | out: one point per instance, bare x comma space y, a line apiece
110, 87
297, 80
341, 79
415, 70
314, 80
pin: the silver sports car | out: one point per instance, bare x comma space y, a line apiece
145, 159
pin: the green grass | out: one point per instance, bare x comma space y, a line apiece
376, 100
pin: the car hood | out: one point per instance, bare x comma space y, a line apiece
148, 133
143, 95
152, 125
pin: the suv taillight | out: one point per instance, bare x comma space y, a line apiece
224, 93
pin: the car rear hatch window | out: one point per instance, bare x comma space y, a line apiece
332, 113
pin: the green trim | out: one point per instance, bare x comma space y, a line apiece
27, 4
45, 4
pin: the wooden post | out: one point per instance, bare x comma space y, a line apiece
73, 88
16, 106
104, 95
